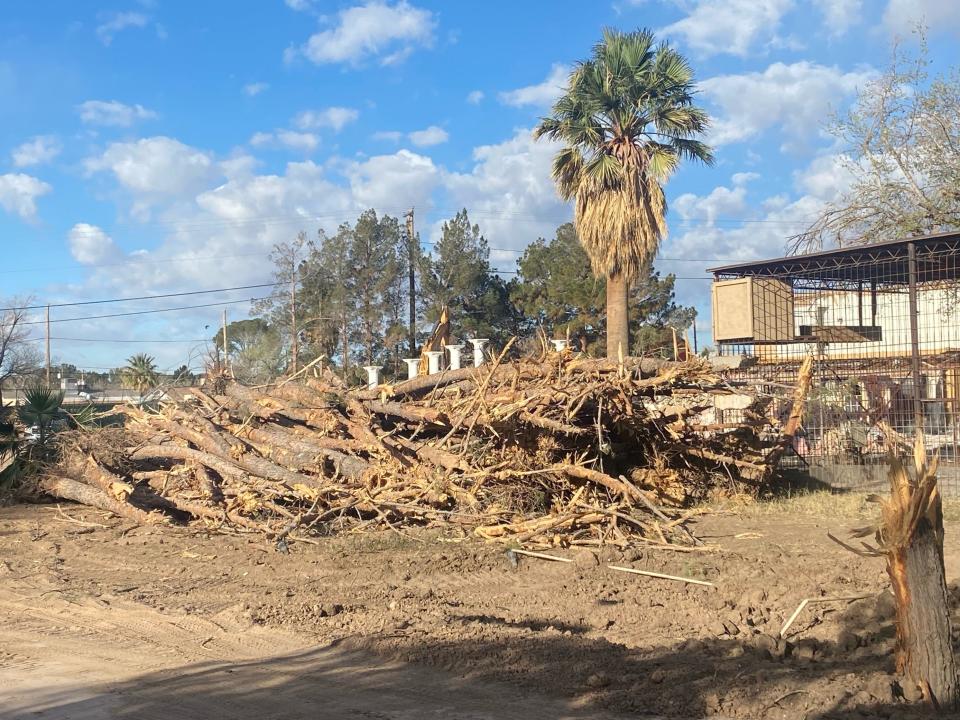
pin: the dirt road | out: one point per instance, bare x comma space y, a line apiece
100, 619
66, 657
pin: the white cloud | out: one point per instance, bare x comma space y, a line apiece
290, 139
542, 94
118, 22
226, 217
331, 117
388, 135
432, 135
156, 166
901, 16
19, 193
840, 15
730, 26
705, 233
826, 178
475, 97
393, 182
299, 5
376, 29
90, 245
37, 151
509, 192
797, 97
255, 88
238, 167
112, 113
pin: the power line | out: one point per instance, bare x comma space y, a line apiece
136, 261
106, 340
142, 312
140, 297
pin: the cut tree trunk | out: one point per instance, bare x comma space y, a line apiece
911, 538
69, 489
924, 650
618, 329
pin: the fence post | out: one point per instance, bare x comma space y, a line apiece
914, 334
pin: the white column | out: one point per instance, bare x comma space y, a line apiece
478, 344
413, 367
433, 360
454, 351
373, 375
560, 345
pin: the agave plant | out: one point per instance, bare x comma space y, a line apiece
41, 407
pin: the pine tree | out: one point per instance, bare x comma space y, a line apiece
555, 289
654, 311
334, 258
460, 277
372, 257
320, 287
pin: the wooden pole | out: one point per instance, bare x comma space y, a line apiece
294, 340
914, 335
226, 354
696, 350
412, 252
48, 346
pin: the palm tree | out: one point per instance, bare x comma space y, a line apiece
140, 373
626, 120
41, 407
182, 374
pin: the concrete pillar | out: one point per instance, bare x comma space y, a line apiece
478, 344
454, 351
373, 375
413, 367
560, 345
433, 360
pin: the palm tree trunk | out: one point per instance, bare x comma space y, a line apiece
618, 328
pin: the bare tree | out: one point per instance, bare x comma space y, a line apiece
18, 357
901, 147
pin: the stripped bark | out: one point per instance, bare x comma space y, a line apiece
220, 466
69, 489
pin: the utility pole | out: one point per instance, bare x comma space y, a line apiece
413, 250
226, 355
294, 347
48, 346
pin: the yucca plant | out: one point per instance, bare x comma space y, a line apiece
627, 120
41, 407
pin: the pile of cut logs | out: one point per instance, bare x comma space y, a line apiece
557, 451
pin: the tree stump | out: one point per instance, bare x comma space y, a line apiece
910, 537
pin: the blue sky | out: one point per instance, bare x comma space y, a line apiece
160, 146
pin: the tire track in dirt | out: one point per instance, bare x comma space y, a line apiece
72, 657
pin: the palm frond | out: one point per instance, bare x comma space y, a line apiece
627, 120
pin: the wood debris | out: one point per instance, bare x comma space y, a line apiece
543, 453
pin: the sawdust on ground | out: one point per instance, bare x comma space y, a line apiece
101, 619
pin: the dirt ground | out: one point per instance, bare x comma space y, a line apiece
101, 619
